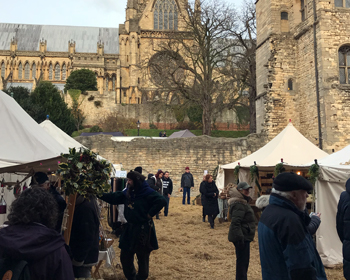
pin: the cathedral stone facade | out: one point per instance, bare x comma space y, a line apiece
291, 36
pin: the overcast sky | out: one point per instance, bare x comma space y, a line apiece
99, 13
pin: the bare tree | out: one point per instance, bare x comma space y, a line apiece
200, 62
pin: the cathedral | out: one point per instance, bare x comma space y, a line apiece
30, 53
303, 69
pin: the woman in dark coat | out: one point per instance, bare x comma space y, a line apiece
211, 206
139, 235
159, 185
201, 190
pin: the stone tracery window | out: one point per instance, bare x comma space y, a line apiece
344, 65
20, 71
26, 71
342, 3
57, 72
50, 72
3, 70
33, 71
64, 72
165, 15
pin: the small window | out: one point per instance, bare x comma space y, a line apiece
57, 72
33, 71
50, 72
284, 16
290, 84
344, 65
342, 3
3, 70
124, 93
303, 9
20, 71
107, 81
64, 72
26, 71
113, 83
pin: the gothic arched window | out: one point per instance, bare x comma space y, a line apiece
57, 72
64, 72
107, 81
33, 71
344, 65
20, 71
50, 72
3, 70
165, 15
26, 71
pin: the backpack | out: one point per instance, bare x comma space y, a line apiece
11, 269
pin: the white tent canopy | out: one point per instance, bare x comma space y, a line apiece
182, 133
60, 136
23, 140
289, 145
334, 172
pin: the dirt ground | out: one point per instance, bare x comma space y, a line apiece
190, 249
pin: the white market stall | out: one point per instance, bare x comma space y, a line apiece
334, 172
289, 146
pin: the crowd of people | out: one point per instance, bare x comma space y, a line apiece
287, 249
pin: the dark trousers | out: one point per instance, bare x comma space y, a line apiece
211, 219
242, 261
166, 207
127, 261
82, 271
188, 191
203, 213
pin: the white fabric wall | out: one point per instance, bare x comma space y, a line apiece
329, 186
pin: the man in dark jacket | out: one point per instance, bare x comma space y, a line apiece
139, 235
31, 237
85, 234
343, 227
287, 250
167, 190
186, 185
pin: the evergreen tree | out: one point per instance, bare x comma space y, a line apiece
82, 79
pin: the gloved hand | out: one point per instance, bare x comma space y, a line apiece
239, 244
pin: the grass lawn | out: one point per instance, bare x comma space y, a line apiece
214, 133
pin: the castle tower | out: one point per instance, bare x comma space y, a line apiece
290, 38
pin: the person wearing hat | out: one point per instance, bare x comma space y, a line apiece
186, 185
242, 227
287, 250
139, 235
40, 179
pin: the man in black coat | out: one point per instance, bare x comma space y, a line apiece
167, 190
343, 227
186, 185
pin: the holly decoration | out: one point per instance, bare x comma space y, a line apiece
84, 174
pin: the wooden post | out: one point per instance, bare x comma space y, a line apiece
71, 206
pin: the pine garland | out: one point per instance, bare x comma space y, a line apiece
236, 172
84, 174
279, 168
314, 172
254, 175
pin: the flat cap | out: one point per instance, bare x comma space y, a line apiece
243, 186
289, 181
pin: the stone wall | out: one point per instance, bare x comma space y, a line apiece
199, 153
290, 55
162, 116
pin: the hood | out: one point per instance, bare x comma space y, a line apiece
150, 176
262, 201
236, 196
29, 242
144, 190
347, 185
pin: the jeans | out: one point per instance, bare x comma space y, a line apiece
242, 261
188, 191
82, 271
166, 207
127, 261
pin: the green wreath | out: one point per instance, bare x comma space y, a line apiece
84, 174
279, 168
254, 175
314, 172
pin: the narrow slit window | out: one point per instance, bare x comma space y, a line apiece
50, 72
107, 81
33, 71
26, 71
3, 70
64, 72
20, 71
290, 84
57, 72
